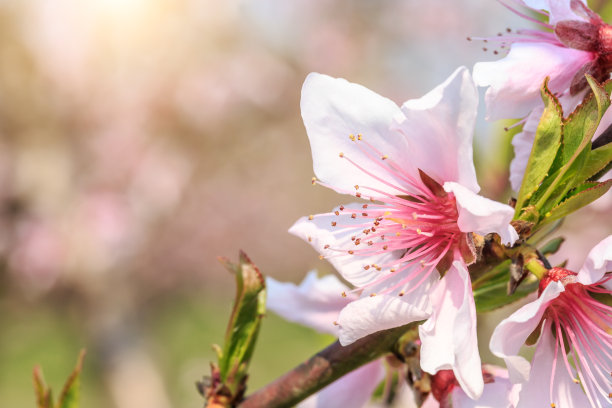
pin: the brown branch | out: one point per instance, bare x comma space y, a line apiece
324, 368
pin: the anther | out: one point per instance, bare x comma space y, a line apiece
357, 241
326, 246
397, 234
337, 212
321, 257
359, 135
356, 187
351, 252
553, 405
372, 199
415, 216
377, 223
353, 238
343, 294
385, 247
484, 49
336, 323
508, 30
352, 137
341, 154
333, 223
469, 38
495, 52
353, 215
370, 243
364, 206
384, 157
372, 294
341, 208
418, 231
378, 268
309, 239
357, 194
392, 270
374, 229
366, 267
311, 217
314, 181
365, 214
366, 231
401, 293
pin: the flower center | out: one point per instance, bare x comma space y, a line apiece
410, 233
582, 326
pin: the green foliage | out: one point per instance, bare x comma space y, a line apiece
491, 290
558, 177
228, 380
69, 398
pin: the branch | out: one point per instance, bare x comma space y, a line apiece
324, 368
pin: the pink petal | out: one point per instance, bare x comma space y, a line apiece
514, 81
501, 393
319, 232
481, 215
316, 303
449, 338
332, 110
523, 142
510, 335
371, 314
535, 393
439, 129
353, 390
597, 263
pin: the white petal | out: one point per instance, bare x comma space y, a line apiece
439, 129
481, 215
353, 390
371, 314
316, 303
559, 10
522, 143
449, 338
597, 263
319, 232
536, 392
497, 394
510, 335
515, 81
332, 110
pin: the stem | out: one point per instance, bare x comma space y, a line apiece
324, 368
535, 266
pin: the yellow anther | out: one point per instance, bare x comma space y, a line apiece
385, 247
372, 294
392, 270
397, 234
336, 323
418, 231
351, 252
387, 213
321, 257
343, 294
415, 216
309, 239
352, 137
341, 154
401, 293
310, 217
359, 135
333, 223
384, 157
337, 212
356, 187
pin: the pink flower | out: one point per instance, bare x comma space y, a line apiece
572, 363
498, 392
574, 42
316, 303
413, 168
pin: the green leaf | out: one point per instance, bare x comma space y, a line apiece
244, 323
492, 292
552, 246
41, 391
597, 160
585, 194
69, 398
545, 146
578, 129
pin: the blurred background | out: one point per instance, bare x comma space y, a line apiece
141, 139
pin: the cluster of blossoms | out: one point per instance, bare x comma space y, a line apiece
417, 222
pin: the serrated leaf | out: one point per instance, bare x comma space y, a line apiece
580, 125
578, 129
69, 398
597, 160
584, 197
244, 323
545, 146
